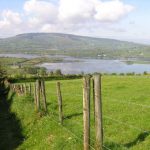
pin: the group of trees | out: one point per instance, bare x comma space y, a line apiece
41, 71
28, 71
35, 70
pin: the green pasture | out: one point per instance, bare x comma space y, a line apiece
126, 116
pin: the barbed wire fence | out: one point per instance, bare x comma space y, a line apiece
77, 109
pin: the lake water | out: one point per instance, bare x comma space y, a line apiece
72, 65
94, 65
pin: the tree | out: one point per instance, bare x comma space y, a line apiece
31, 70
58, 72
51, 73
145, 73
42, 71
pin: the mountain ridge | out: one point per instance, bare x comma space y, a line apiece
83, 36
69, 44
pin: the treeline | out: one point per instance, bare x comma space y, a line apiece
128, 74
32, 71
48, 78
65, 77
31, 74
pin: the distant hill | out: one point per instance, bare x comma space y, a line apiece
67, 44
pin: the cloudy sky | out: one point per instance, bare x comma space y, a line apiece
119, 19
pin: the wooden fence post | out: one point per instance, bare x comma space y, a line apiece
35, 97
38, 94
30, 89
43, 94
93, 94
22, 90
13, 88
98, 113
60, 103
86, 112
25, 88
19, 89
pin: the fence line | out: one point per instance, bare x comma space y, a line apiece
131, 126
95, 96
70, 131
106, 147
80, 95
125, 102
75, 134
132, 103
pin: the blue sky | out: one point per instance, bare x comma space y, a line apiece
130, 21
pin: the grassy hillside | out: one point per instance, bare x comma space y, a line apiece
66, 44
126, 114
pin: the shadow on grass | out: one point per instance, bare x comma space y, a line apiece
112, 146
10, 127
73, 115
141, 137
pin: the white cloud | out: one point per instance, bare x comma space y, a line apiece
110, 11
10, 23
40, 12
9, 18
64, 16
49, 28
77, 10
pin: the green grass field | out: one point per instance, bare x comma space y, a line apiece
126, 116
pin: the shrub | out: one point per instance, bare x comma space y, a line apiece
58, 72
122, 74
145, 73
130, 74
114, 74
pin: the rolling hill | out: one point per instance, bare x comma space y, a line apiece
67, 44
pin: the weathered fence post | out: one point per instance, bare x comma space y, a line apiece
25, 88
16, 89
93, 94
35, 97
86, 112
60, 103
22, 90
38, 94
43, 94
30, 89
19, 89
98, 113
13, 88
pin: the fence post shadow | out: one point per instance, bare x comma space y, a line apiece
140, 138
72, 115
112, 146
